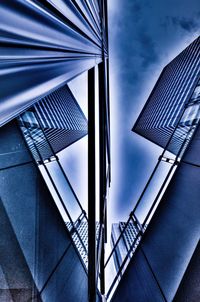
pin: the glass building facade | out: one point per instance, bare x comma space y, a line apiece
173, 91
164, 265
128, 242
53, 123
52, 248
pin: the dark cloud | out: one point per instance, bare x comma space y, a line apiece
137, 7
147, 50
189, 25
144, 36
137, 49
132, 10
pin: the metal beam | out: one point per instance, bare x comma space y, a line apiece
91, 189
102, 161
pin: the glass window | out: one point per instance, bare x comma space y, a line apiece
196, 93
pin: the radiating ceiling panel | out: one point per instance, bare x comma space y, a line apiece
43, 45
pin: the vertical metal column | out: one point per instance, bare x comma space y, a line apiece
102, 165
91, 189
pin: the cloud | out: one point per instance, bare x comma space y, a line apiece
147, 49
189, 25
144, 36
135, 10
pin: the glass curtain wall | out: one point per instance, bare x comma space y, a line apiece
150, 197
53, 124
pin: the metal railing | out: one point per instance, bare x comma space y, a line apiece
33, 146
186, 137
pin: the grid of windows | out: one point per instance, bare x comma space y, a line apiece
127, 242
54, 123
169, 97
81, 241
129, 235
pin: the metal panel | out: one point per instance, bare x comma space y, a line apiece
173, 234
189, 289
40, 241
44, 46
91, 188
138, 283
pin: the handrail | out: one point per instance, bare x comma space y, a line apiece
122, 265
60, 166
53, 184
119, 238
189, 134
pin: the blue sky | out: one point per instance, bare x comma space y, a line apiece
144, 37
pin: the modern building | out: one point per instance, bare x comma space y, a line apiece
80, 237
44, 46
130, 239
165, 266
53, 123
176, 88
